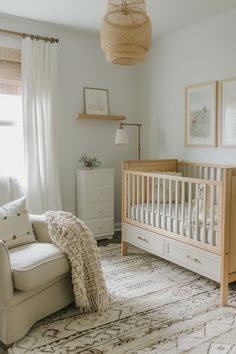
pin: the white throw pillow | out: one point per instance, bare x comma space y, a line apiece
173, 187
15, 225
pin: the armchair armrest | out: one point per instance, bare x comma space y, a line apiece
40, 227
6, 281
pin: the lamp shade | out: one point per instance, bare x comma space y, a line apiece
121, 137
126, 32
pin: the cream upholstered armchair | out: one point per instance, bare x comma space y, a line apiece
34, 273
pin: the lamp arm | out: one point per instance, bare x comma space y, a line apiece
133, 124
139, 135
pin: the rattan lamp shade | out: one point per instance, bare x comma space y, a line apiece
126, 32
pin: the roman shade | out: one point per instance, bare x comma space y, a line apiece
10, 71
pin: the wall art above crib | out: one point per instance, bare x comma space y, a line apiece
227, 113
201, 115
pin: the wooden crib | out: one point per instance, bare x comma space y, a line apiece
183, 212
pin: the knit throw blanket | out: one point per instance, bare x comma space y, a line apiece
78, 243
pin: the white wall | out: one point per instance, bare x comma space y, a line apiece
82, 63
152, 93
203, 52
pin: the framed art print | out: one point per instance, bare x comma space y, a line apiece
201, 115
227, 113
96, 101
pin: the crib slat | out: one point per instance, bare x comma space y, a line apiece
212, 193
148, 199
218, 174
219, 220
204, 215
212, 173
200, 173
170, 206
197, 213
125, 194
182, 208
142, 198
164, 203
158, 202
133, 196
138, 197
153, 187
190, 210
176, 207
129, 191
185, 171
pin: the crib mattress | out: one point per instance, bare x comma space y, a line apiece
147, 213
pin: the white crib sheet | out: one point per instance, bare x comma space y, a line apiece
144, 213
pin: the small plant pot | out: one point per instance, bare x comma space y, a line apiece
88, 167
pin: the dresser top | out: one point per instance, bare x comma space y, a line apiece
95, 170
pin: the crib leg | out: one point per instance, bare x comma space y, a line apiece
224, 293
124, 248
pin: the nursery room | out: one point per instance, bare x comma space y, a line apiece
117, 176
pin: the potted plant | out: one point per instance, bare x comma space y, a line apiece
89, 162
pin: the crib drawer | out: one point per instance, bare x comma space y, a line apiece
146, 240
199, 261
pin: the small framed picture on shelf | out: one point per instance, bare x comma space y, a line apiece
227, 113
96, 101
201, 115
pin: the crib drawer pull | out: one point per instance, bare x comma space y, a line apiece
143, 239
195, 260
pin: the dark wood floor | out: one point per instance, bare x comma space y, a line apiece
115, 239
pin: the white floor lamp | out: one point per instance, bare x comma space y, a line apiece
122, 136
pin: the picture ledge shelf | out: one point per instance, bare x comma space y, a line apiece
98, 116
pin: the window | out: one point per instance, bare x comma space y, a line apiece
11, 127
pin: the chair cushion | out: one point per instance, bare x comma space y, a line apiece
15, 225
36, 264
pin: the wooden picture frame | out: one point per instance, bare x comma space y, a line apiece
96, 101
201, 115
227, 112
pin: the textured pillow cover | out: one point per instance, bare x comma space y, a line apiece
15, 225
173, 187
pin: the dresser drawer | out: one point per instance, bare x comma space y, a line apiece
146, 240
101, 226
98, 178
100, 194
195, 259
97, 211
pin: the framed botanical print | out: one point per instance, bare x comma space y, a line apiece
201, 115
227, 113
96, 101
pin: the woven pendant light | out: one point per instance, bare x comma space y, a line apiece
126, 32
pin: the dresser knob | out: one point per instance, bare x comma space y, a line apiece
99, 227
100, 211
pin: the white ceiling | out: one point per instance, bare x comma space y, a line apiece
166, 15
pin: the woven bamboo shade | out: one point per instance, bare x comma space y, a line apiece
126, 32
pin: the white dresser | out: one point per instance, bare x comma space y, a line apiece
95, 200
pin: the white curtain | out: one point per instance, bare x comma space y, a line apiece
39, 86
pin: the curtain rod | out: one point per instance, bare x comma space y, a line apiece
32, 36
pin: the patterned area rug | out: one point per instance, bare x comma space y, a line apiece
156, 307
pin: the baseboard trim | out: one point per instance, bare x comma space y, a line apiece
117, 226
